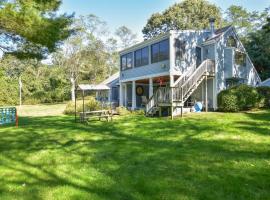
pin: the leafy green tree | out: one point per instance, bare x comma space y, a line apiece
266, 27
244, 21
188, 14
32, 28
83, 56
125, 36
258, 47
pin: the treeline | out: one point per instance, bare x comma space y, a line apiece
82, 50
88, 55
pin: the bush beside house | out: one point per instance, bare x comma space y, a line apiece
243, 97
91, 104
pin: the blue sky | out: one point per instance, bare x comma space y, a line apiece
134, 13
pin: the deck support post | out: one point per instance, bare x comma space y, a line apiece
172, 112
206, 95
181, 111
133, 95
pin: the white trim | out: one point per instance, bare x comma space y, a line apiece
171, 53
145, 77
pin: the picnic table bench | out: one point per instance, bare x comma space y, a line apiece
97, 114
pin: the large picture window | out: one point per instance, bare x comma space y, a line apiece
141, 57
160, 51
126, 61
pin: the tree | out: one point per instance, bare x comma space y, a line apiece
113, 55
258, 47
266, 27
244, 21
83, 55
32, 28
189, 14
125, 36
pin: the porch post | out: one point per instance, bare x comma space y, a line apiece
121, 94
125, 96
109, 95
133, 95
150, 87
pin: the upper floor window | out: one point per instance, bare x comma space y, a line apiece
231, 42
160, 51
240, 58
126, 61
142, 57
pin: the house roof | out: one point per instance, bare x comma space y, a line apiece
266, 82
110, 79
88, 87
218, 32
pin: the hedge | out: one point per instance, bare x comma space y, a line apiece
243, 97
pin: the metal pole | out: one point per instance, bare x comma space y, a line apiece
83, 105
20, 88
75, 106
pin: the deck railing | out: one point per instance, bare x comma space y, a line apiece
179, 92
181, 87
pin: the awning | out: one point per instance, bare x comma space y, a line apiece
93, 87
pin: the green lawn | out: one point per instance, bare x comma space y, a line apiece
202, 156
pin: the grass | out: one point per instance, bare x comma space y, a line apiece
203, 156
41, 110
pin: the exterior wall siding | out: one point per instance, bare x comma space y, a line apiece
224, 55
193, 39
148, 70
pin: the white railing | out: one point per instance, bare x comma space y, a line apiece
181, 86
180, 91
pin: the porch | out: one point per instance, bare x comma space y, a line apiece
135, 94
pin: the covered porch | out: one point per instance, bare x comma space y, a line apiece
136, 93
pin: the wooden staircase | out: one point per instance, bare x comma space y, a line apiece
181, 90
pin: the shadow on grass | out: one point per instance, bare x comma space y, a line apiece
133, 158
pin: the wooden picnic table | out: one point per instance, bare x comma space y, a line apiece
98, 114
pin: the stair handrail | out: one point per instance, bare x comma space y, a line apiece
183, 85
205, 66
180, 81
150, 103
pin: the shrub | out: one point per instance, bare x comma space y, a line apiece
90, 104
264, 95
247, 96
242, 97
227, 101
122, 110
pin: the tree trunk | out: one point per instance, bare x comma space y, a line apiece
72, 80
